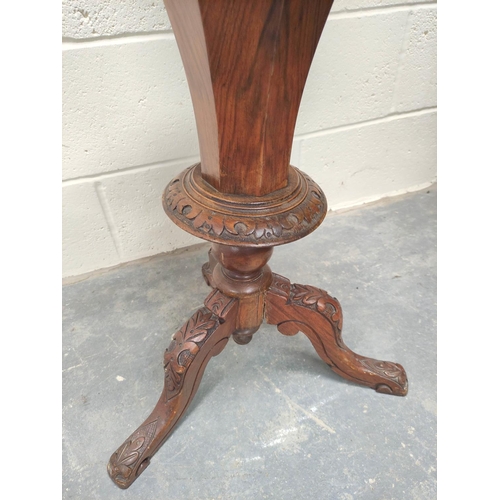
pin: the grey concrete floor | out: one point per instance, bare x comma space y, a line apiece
270, 419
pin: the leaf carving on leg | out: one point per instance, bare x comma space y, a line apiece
184, 346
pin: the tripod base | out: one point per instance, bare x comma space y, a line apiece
246, 64
292, 308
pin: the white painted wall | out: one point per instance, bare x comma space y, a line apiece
366, 128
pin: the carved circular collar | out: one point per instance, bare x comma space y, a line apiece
274, 219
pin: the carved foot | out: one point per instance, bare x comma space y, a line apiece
202, 337
304, 308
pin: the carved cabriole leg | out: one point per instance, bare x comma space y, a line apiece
304, 308
203, 336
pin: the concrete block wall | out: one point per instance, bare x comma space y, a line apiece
366, 128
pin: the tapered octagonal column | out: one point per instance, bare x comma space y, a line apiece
246, 63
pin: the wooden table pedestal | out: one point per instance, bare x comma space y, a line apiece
246, 64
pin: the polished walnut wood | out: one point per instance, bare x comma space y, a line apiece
203, 336
280, 217
246, 63
294, 308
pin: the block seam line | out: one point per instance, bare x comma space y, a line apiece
383, 9
366, 123
70, 43
125, 38
128, 170
298, 137
401, 61
108, 216
125, 34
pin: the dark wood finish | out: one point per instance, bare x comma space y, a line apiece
246, 63
241, 272
203, 336
207, 270
304, 308
281, 217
